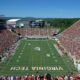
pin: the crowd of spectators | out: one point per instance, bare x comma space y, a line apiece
41, 77
37, 31
70, 39
7, 39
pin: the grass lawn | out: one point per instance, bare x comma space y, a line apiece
37, 57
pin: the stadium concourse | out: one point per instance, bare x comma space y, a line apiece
69, 43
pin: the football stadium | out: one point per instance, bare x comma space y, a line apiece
34, 51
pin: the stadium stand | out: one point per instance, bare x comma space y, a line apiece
70, 40
41, 77
36, 31
7, 38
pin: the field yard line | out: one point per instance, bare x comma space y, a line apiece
42, 60
30, 60
50, 48
31, 56
21, 53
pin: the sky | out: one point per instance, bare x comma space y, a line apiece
40, 8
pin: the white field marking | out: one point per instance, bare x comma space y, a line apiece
37, 48
19, 56
17, 60
58, 50
48, 55
29, 44
36, 68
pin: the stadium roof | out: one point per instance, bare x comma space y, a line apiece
13, 20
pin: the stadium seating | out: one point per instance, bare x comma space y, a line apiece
36, 31
7, 38
41, 77
70, 39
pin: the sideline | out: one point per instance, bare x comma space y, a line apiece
59, 51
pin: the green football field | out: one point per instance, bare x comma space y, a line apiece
37, 57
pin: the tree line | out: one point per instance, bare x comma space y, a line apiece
61, 23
